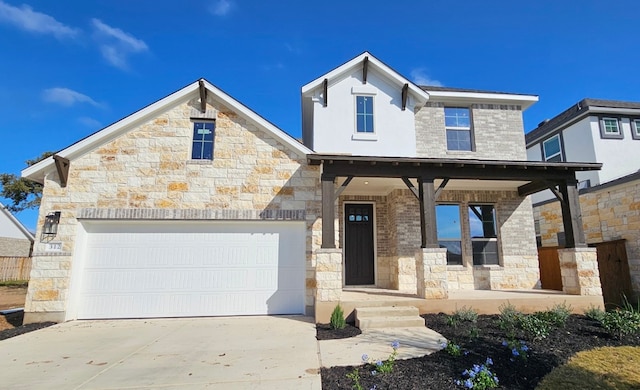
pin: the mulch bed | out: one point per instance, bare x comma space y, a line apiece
13, 325
324, 332
440, 370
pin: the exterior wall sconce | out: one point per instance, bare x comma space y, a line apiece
51, 221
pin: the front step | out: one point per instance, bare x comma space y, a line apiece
388, 317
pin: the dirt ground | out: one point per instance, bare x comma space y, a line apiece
11, 297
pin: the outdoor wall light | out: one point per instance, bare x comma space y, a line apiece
51, 222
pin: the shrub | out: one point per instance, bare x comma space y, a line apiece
559, 314
594, 313
519, 349
508, 319
451, 348
619, 323
536, 326
466, 314
337, 318
479, 377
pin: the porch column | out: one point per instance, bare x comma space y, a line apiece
579, 270
431, 266
328, 211
572, 215
427, 197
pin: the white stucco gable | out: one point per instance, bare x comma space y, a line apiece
330, 110
38, 171
10, 227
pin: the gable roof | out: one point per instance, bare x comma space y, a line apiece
583, 108
420, 95
37, 171
9, 216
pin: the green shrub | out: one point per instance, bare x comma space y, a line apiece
466, 314
594, 313
619, 323
508, 320
451, 348
559, 314
337, 318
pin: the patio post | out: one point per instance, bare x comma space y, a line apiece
427, 197
328, 211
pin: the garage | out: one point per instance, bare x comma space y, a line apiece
147, 269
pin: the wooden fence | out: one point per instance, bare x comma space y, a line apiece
14, 268
550, 277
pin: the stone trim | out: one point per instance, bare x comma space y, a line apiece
51, 254
191, 214
200, 162
510, 107
434, 104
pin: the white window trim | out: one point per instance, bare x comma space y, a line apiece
603, 129
635, 128
544, 150
363, 135
464, 128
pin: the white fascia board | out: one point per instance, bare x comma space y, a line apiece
523, 100
18, 224
420, 95
37, 171
614, 110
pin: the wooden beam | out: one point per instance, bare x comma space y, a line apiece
203, 96
405, 96
328, 212
441, 187
572, 215
343, 186
365, 69
62, 166
557, 193
428, 230
413, 189
325, 91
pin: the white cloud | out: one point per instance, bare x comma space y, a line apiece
116, 45
29, 20
221, 7
66, 97
90, 122
420, 77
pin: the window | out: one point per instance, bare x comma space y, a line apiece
457, 122
449, 232
364, 114
552, 150
202, 141
635, 128
484, 241
610, 128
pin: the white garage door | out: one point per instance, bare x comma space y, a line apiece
182, 269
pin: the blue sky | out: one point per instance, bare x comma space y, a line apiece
69, 68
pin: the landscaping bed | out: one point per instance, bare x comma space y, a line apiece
326, 332
478, 341
11, 325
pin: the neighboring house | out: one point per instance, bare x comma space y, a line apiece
15, 239
593, 130
197, 206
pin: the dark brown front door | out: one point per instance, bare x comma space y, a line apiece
358, 244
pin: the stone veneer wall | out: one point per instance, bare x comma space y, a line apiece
15, 247
498, 132
149, 167
608, 214
404, 219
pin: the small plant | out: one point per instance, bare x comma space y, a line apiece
451, 348
536, 326
519, 349
474, 332
479, 377
466, 314
594, 313
509, 319
337, 318
382, 366
559, 314
355, 377
452, 321
619, 323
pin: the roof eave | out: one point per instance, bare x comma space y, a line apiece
525, 101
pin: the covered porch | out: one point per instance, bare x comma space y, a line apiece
419, 265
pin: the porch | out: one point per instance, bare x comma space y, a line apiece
483, 301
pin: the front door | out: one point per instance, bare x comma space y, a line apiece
358, 245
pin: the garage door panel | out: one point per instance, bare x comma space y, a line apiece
157, 269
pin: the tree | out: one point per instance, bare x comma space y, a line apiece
23, 193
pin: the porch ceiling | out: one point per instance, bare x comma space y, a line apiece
382, 186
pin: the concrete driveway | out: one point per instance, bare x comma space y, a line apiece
213, 353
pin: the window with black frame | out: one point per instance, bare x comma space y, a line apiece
449, 232
483, 233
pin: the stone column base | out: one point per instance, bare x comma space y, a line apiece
431, 266
579, 270
328, 275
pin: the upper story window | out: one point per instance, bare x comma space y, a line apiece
364, 114
203, 133
635, 128
552, 150
610, 128
457, 121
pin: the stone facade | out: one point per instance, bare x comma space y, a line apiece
432, 273
608, 213
496, 132
149, 168
15, 247
579, 270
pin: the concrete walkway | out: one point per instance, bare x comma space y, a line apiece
376, 343
195, 353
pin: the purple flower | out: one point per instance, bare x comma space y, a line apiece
365, 357
395, 344
489, 361
468, 384
378, 363
515, 352
504, 343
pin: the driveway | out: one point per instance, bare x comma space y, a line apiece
213, 353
